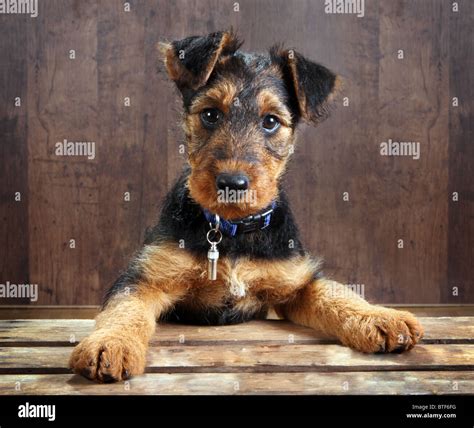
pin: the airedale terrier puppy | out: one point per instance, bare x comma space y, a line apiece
226, 248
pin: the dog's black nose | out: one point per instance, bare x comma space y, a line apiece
232, 181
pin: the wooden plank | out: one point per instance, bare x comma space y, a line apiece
121, 35
63, 190
13, 153
448, 329
253, 358
40, 332
58, 332
461, 156
67, 332
412, 192
349, 383
158, 98
294, 358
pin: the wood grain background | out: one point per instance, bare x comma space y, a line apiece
137, 147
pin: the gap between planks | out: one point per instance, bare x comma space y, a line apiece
39, 333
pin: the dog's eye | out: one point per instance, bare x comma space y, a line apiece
210, 117
270, 123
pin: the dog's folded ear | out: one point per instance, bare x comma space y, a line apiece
312, 85
190, 61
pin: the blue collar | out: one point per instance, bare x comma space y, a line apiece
247, 224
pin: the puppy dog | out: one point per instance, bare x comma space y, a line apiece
226, 248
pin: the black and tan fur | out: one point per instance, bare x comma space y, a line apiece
270, 266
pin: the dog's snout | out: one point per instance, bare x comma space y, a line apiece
232, 181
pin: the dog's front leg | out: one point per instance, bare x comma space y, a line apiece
117, 347
334, 309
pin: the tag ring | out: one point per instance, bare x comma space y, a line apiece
218, 233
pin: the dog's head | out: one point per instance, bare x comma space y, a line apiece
241, 111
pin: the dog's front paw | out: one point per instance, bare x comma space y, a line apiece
382, 330
108, 357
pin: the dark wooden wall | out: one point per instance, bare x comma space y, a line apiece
138, 146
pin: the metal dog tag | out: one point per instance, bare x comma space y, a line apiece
213, 253
212, 257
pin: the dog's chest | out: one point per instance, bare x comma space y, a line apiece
244, 289
233, 283
244, 279
231, 298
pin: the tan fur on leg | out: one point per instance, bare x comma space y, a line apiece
334, 309
117, 348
